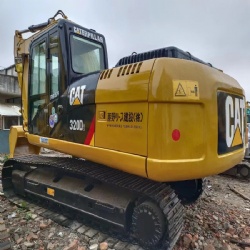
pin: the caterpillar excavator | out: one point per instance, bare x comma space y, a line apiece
142, 135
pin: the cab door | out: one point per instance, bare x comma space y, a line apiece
46, 86
38, 88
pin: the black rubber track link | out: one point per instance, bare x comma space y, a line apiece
241, 170
159, 193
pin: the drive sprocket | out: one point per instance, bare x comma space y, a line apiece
148, 224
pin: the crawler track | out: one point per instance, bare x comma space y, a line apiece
160, 193
241, 170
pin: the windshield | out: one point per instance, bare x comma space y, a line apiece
87, 56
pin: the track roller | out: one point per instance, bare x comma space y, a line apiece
148, 224
244, 171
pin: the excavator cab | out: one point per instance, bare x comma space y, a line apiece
65, 63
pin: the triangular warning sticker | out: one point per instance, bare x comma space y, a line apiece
237, 137
180, 91
76, 102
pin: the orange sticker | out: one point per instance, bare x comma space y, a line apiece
51, 191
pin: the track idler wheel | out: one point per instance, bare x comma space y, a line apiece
244, 171
148, 224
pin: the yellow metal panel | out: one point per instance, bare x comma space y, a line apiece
176, 170
194, 115
125, 86
188, 119
123, 127
23, 84
19, 144
122, 107
129, 163
167, 71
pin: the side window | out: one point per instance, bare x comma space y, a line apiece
38, 70
54, 66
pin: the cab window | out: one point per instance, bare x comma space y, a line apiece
87, 56
38, 70
54, 65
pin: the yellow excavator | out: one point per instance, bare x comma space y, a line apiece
142, 134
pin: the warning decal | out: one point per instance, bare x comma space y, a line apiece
186, 90
180, 91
